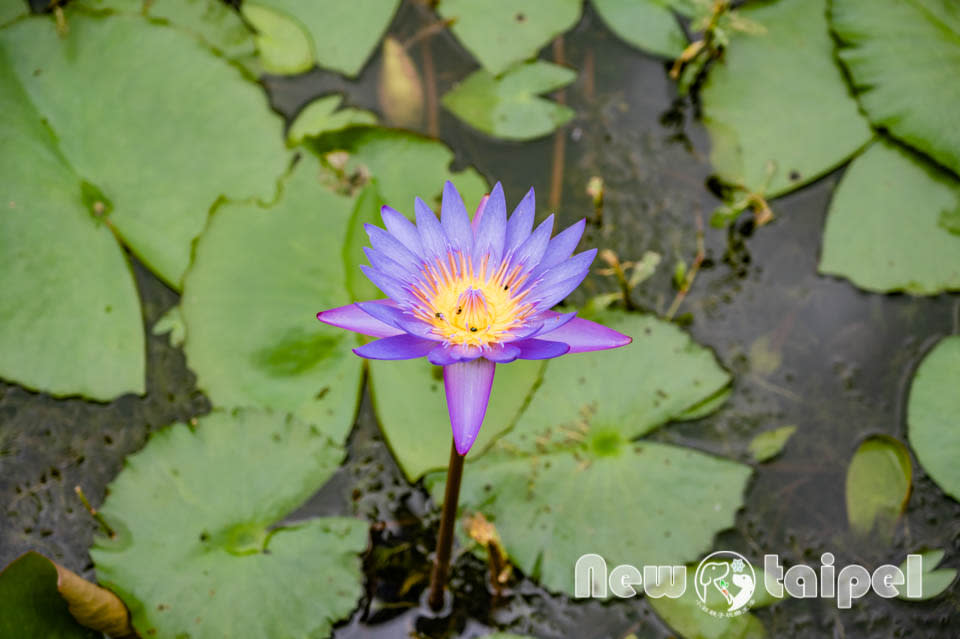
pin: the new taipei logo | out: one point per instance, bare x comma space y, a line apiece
730, 575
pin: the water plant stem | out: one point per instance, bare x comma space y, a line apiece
441, 565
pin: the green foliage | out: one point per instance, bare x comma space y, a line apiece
32, 605
884, 230
878, 485
508, 106
933, 415
904, 61
411, 407
571, 479
323, 115
282, 44
259, 277
197, 550
776, 106
770, 443
500, 33
649, 25
935, 581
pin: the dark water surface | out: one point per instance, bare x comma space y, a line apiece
805, 350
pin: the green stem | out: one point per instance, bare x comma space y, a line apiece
441, 565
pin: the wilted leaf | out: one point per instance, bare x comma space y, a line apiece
777, 106
197, 549
508, 106
883, 229
500, 33
399, 91
933, 415
878, 485
904, 60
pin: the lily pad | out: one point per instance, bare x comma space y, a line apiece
283, 47
884, 230
405, 165
81, 334
197, 551
508, 106
215, 22
896, 51
935, 581
324, 115
649, 25
163, 154
878, 485
259, 276
500, 33
768, 444
346, 46
11, 10
933, 415
32, 604
774, 89
570, 478
411, 407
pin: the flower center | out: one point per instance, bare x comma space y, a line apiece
475, 306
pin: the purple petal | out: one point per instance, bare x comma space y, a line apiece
554, 321
382, 263
353, 318
391, 247
492, 228
391, 286
442, 355
479, 214
521, 222
455, 220
395, 316
468, 392
403, 229
562, 246
501, 353
532, 249
396, 347
560, 281
541, 348
584, 336
432, 237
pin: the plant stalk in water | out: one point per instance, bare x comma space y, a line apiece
441, 563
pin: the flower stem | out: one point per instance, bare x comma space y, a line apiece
441, 566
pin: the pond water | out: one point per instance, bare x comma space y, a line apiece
806, 350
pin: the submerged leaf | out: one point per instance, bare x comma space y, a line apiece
777, 107
884, 230
570, 478
933, 415
197, 550
508, 106
500, 33
904, 61
878, 485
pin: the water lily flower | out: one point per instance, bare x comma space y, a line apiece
471, 294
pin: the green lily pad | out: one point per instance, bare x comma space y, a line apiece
508, 106
883, 229
32, 605
570, 478
196, 550
896, 51
405, 165
935, 581
649, 25
933, 415
500, 33
11, 10
342, 35
768, 444
171, 323
323, 115
878, 485
215, 22
777, 106
282, 44
259, 277
160, 156
81, 334
366, 211
411, 407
